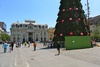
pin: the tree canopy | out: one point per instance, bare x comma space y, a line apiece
4, 37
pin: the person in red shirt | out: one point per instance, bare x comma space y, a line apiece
34, 45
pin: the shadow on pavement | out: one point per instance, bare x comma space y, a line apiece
4, 53
46, 48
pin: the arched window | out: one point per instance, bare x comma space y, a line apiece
43, 27
12, 26
25, 25
18, 39
44, 33
44, 39
20, 25
16, 25
41, 39
36, 37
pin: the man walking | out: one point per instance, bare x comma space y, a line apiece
34, 45
58, 47
12, 45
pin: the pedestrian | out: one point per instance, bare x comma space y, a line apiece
58, 48
28, 43
51, 44
93, 43
12, 45
34, 45
48, 43
5, 47
44, 44
25, 43
17, 44
10, 48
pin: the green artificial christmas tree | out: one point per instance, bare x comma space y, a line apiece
71, 20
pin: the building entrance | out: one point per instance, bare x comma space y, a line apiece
30, 34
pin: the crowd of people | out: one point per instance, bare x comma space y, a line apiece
27, 44
5, 45
11, 45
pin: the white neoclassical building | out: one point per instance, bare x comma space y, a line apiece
28, 31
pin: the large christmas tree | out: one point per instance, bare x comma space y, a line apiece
71, 20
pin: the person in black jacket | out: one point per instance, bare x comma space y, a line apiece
12, 45
58, 47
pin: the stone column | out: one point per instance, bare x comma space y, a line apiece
39, 36
46, 36
21, 37
33, 36
26, 36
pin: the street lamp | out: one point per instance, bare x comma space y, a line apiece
88, 14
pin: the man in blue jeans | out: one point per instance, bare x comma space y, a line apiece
5, 47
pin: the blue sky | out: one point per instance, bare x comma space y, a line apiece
42, 11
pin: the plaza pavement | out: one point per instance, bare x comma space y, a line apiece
43, 57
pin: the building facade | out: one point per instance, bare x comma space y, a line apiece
3, 26
1, 32
28, 31
51, 33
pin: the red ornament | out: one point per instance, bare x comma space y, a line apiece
81, 34
61, 34
70, 9
70, 19
79, 19
62, 21
63, 10
76, 9
88, 33
71, 33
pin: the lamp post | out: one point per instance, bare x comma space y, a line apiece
88, 14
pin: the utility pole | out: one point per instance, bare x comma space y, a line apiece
88, 14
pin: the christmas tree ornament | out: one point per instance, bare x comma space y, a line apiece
70, 19
79, 19
63, 10
88, 33
62, 20
70, 8
61, 34
76, 9
71, 33
81, 33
